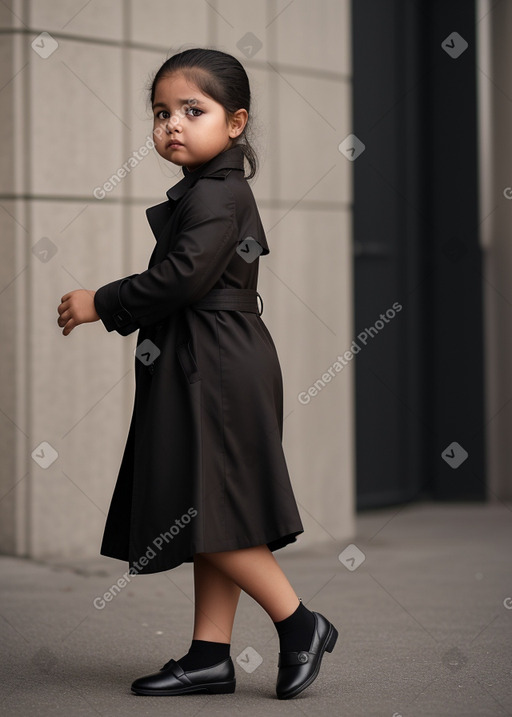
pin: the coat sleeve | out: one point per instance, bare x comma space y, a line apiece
203, 248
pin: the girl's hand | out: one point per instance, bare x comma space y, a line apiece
77, 307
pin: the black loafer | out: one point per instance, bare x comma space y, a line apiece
172, 680
297, 670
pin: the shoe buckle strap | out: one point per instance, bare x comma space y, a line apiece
178, 672
293, 658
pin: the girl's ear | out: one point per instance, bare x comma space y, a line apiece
237, 123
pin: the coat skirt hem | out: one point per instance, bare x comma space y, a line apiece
135, 565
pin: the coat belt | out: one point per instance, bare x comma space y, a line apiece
230, 300
215, 300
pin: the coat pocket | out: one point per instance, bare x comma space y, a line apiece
188, 362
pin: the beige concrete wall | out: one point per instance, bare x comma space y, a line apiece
71, 117
495, 93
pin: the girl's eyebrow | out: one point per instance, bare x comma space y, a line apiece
190, 100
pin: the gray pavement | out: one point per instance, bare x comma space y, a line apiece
425, 625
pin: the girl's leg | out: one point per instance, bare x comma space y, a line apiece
258, 573
216, 600
304, 636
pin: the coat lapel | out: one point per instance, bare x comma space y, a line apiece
158, 216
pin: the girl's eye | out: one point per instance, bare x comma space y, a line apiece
192, 111
160, 115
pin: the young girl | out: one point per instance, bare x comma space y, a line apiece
203, 477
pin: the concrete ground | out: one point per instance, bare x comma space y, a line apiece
425, 624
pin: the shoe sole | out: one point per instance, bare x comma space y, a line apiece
216, 688
329, 647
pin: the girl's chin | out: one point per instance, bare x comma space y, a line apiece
176, 161
172, 157
176, 157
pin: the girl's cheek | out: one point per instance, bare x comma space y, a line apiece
159, 126
160, 148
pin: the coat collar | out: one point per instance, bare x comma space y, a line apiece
220, 166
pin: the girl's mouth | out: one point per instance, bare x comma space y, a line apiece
174, 145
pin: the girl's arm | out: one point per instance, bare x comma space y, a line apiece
206, 243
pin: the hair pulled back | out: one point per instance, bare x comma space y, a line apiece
221, 77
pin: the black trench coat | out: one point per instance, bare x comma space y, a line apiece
203, 468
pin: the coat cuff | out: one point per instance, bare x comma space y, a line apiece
110, 309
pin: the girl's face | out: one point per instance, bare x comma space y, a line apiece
190, 128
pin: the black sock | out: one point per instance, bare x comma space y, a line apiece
203, 653
296, 630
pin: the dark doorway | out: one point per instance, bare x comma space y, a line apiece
419, 371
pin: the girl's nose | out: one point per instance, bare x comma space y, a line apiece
173, 123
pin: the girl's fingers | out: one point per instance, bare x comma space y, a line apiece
62, 307
65, 318
68, 328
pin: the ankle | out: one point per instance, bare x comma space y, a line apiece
285, 611
296, 631
204, 653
